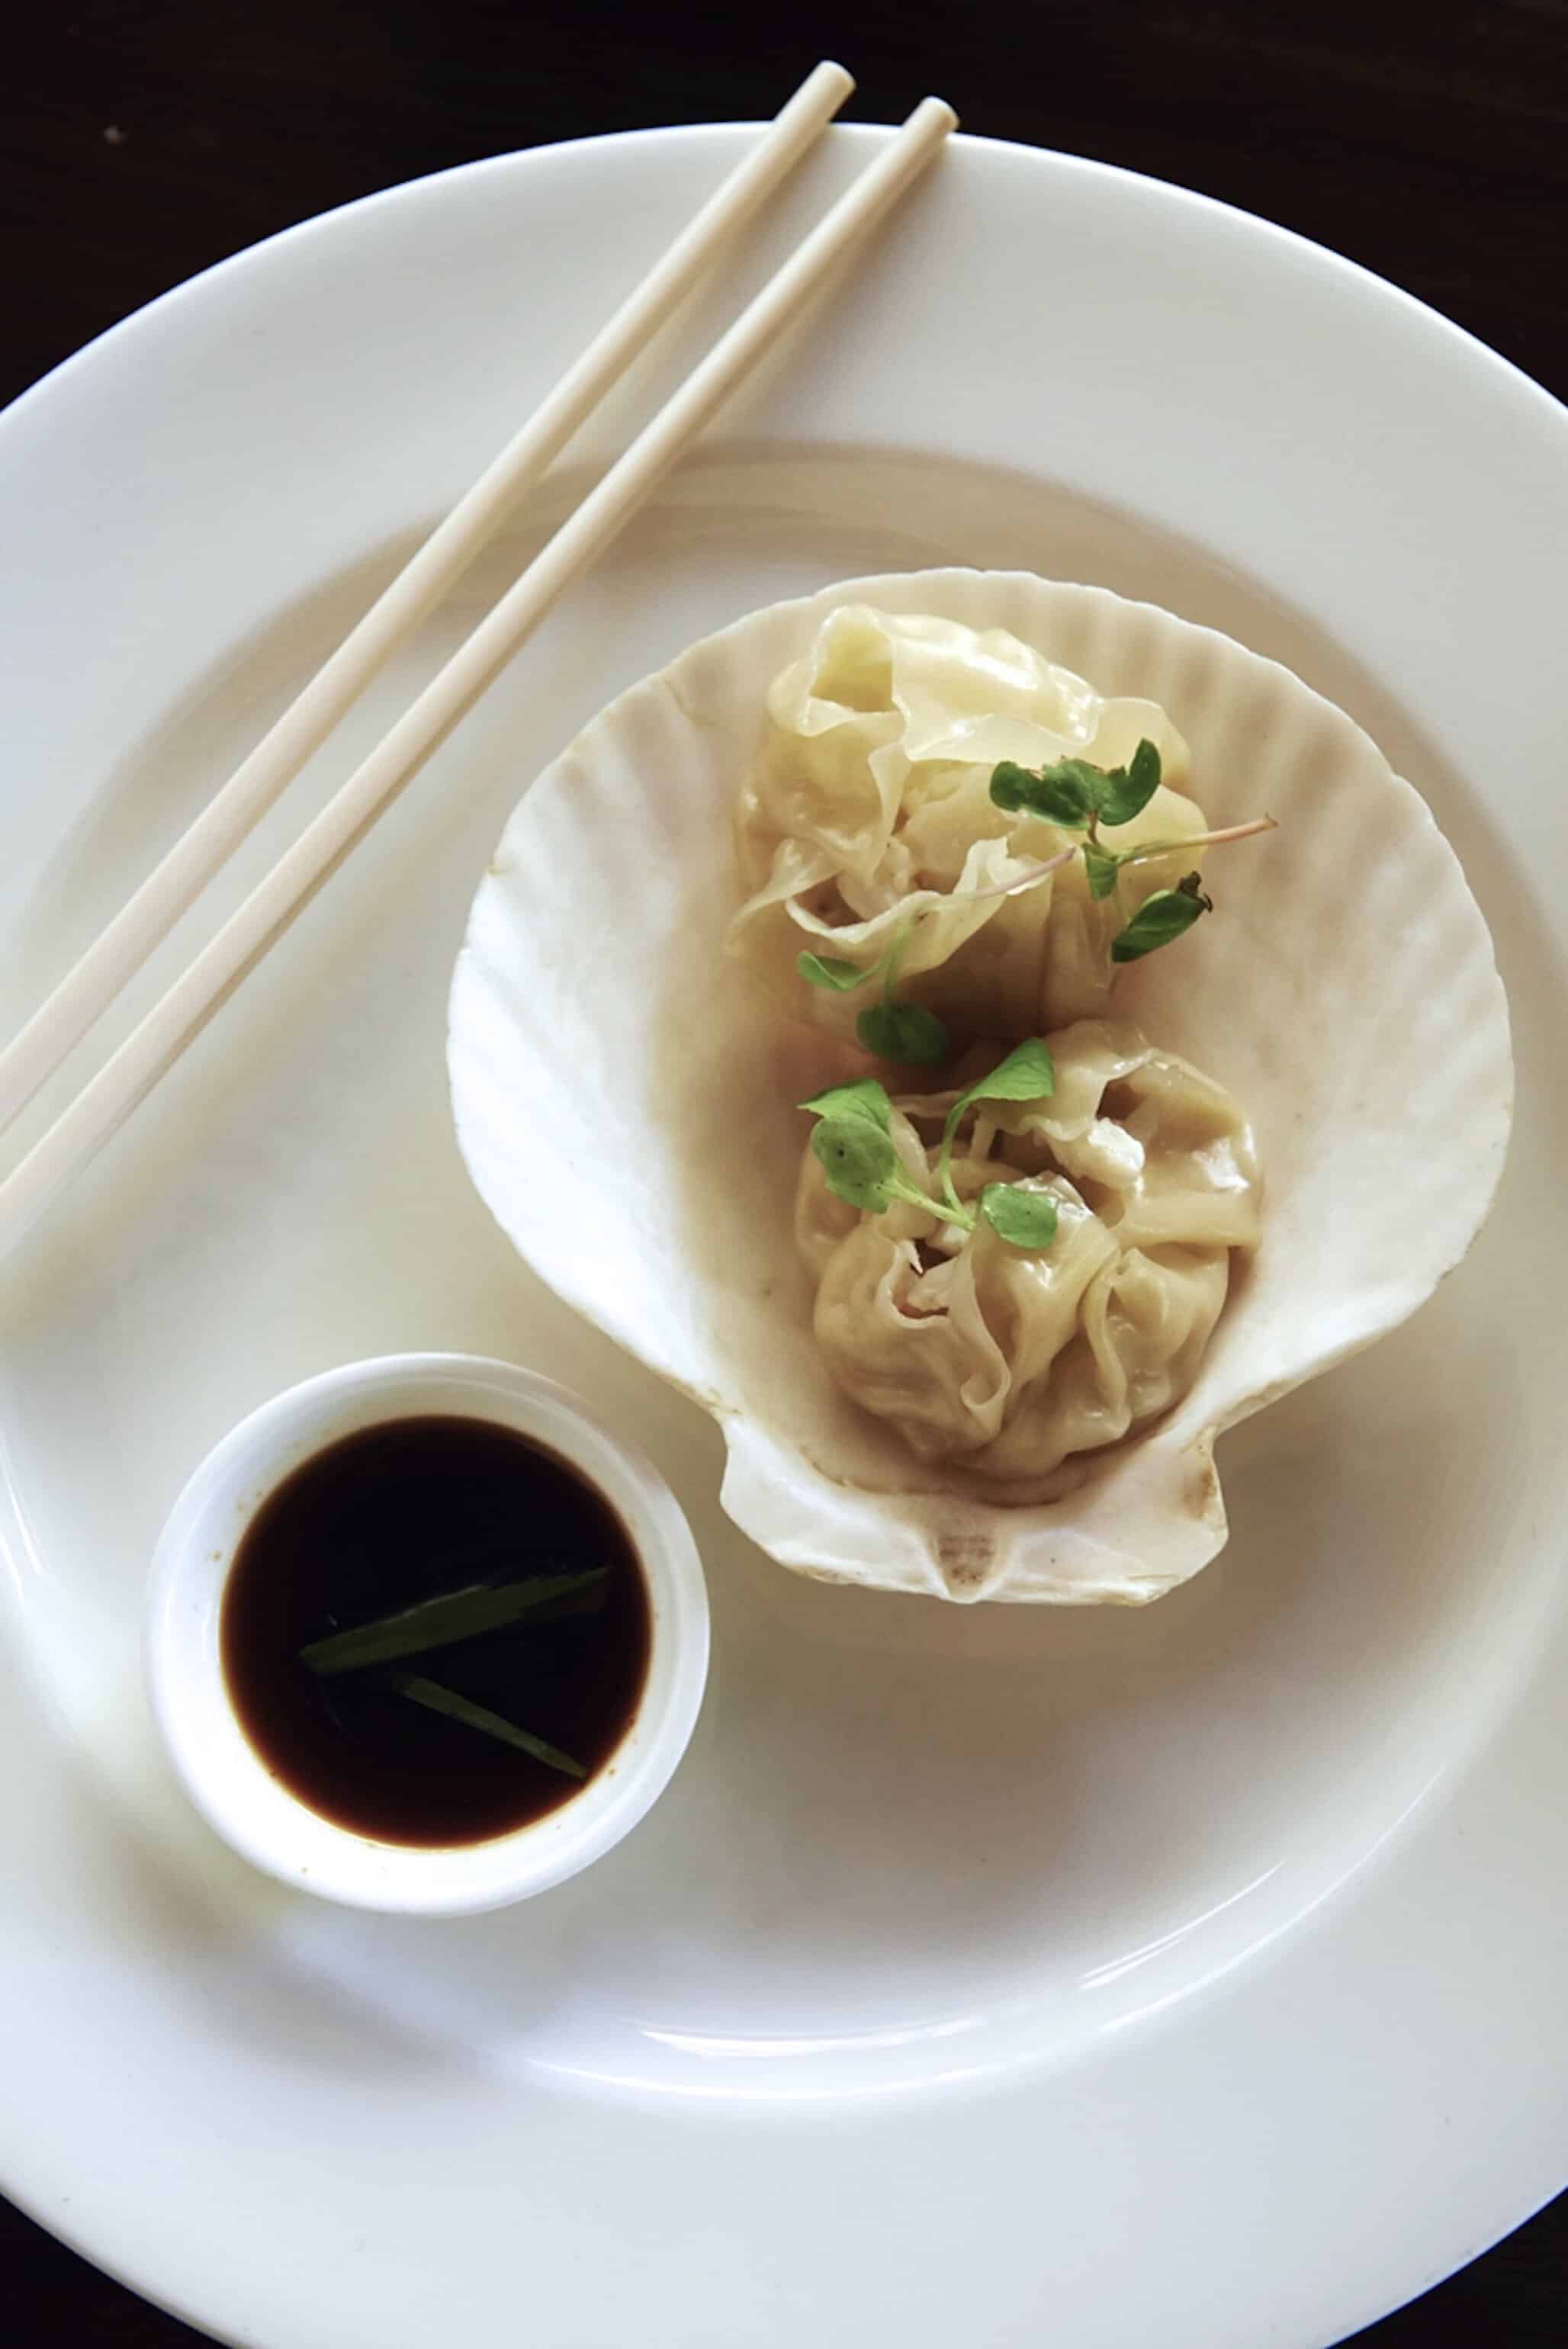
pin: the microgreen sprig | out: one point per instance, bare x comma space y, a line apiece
853, 1143
1028, 1073
1075, 796
1161, 918
1079, 797
907, 1031
900, 1032
896, 1032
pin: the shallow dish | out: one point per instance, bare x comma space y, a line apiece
228, 1780
680, 1158
977, 1961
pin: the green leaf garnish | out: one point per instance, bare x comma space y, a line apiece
903, 1031
1063, 794
1073, 793
437, 1698
442, 1622
829, 971
1028, 1073
895, 1031
854, 1146
1101, 869
859, 1161
1079, 797
860, 1164
864, 1099
1162, 918
1126, 791
1025, 1219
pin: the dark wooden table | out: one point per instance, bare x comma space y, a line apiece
144, 138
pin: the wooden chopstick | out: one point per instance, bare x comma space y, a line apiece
86, 991
181, 1013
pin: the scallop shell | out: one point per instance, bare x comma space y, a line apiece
625, 1096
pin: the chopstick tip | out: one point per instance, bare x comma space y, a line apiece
937, 113
832, 77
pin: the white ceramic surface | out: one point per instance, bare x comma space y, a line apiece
1191, 1974
684, 1152
223, 1773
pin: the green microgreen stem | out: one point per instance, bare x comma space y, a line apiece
1077, 796
1028, 1073
853, 1143
1144, 855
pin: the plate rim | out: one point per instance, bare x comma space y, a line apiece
609, 142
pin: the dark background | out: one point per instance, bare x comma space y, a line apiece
140, 142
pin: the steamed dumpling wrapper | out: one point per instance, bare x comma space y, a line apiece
1164, 1153
870, 805
1008, 1360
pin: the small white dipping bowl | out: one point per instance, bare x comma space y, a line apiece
221, 1771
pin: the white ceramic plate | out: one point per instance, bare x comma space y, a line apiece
1191, 1975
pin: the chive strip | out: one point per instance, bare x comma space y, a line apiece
446, 1700
441, 1622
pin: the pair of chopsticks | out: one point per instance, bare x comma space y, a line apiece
92, 985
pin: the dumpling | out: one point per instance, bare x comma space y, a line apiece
1008, 1360
868, 815
1163, 1153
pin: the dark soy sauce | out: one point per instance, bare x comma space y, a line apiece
392, 1517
